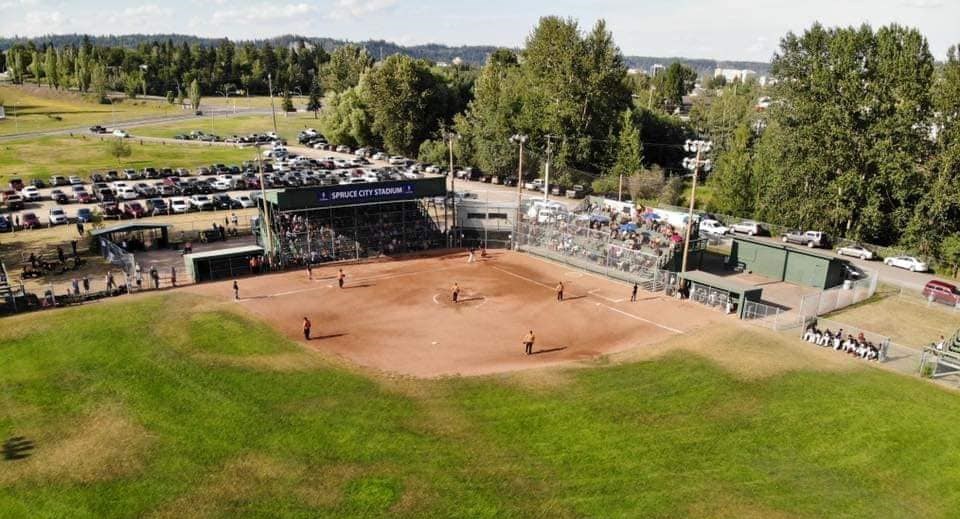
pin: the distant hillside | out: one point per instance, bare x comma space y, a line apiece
474, 54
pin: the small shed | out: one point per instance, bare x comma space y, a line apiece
785, 262
733, 291
220, 264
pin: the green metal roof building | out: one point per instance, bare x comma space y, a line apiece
784, 262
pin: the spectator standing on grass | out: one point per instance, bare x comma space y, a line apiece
155, 276
73, 245
306, 328
233, 219
309, 271
138, 278
86, 284
60, 255
80, 228
528, 341
16, 221
75, 283
236, 291
111, 284
173, 276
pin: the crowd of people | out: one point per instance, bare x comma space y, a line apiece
331, 235
858, 346
607, 238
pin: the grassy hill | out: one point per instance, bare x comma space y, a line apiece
174, 406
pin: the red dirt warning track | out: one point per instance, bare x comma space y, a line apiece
397, 315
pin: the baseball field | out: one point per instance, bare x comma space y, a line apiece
188, 403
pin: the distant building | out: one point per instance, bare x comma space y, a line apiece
656, 69
732, 74
457, 61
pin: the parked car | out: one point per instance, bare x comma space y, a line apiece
38, 183
5, 224
75, 180
29, 221
857, 251
109, 208
30, 194
201, 202
120, 133
58, 196
907, 262
59, 180
98, 129
244, 201
16, 183
941, 292
713, 227
57, 216
133, 209
84, 215
809, 238
748, 227
179, 206
13, 202
157, 206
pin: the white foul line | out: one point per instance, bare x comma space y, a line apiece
658, 325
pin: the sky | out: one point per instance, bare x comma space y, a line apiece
718, 29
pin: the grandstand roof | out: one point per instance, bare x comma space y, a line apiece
345, 195
129, 227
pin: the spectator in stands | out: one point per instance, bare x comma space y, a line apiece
86, 284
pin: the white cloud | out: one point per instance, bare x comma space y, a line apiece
41, 22
264, 13
357, 8
146, 14
922, 4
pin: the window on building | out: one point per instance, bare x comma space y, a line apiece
497, 216
476, 216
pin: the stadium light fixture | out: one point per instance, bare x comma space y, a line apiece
694, 164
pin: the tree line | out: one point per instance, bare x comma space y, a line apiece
861, 138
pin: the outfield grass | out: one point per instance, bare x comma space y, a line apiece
172, 406
32, 109
287, 125
907, 320
83, 154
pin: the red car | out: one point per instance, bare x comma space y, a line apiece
133, 209
941, 292
29, 221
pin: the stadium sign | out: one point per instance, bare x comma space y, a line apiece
361, 194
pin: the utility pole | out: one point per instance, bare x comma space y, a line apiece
546, 189
620, 189
518, 139
273, 110
694, 164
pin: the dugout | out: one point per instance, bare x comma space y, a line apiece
136, 236
713, 290
352, 221
785, 262
220, 264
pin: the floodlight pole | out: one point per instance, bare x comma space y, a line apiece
263, 200
520, 139
450, 136
693, 164
273, 110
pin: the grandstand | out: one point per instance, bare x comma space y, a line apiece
332, 223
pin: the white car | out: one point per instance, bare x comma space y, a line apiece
907, 262
120, 133
58, 216
30, 193
713, 227
856, 250
75, 180
397, 160
179, 206
245, 201
749, 228
201, 202
379, 156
